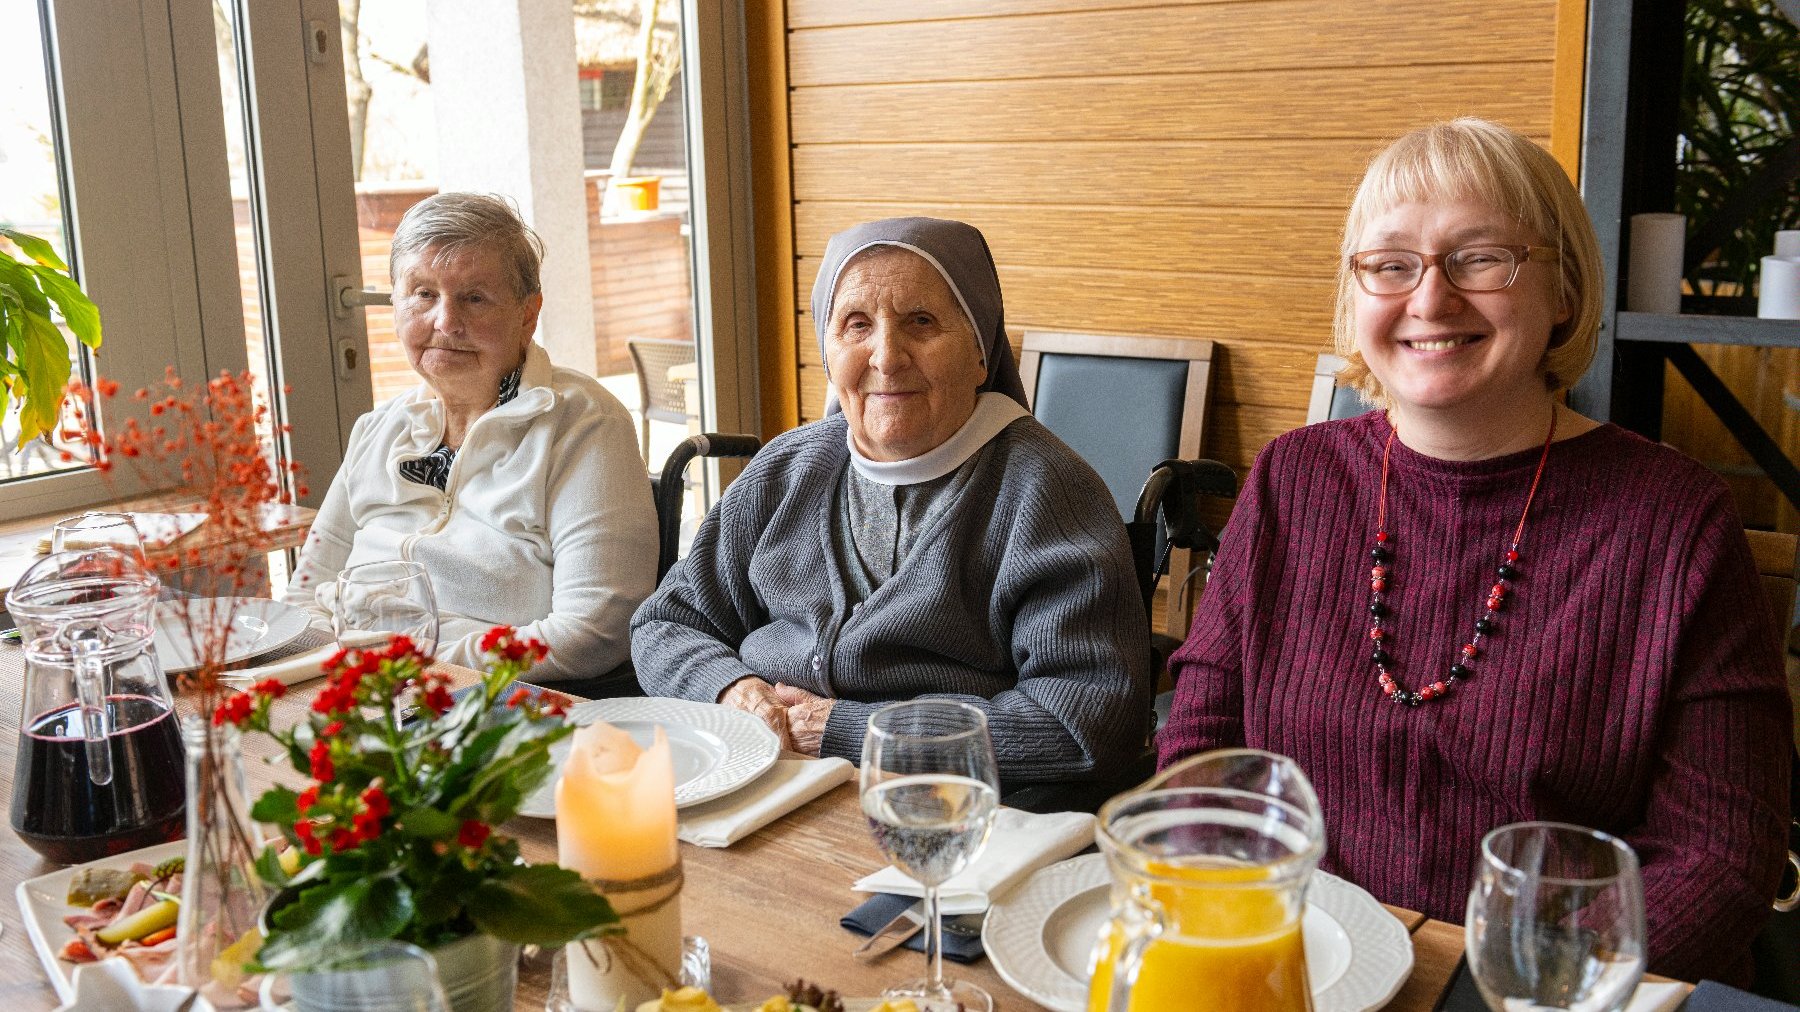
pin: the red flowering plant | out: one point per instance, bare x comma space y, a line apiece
394, 837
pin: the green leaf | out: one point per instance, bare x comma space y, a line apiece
443, 889
44, 358
333, 916
426, 823
521, 763
35, 248
278, 805
540, 904
268, 867
78, 311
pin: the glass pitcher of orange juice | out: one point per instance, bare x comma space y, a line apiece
1209, 862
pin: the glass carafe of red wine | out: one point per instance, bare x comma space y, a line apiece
100, 756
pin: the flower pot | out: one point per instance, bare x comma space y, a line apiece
638, 193
479, 973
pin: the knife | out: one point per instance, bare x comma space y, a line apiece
893, 934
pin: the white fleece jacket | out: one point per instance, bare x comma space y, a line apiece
545, 523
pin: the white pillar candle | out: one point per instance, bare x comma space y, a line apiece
615, 822
1787, 242
1779, 297
1657, 243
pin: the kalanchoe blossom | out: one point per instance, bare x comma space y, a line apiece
473, 834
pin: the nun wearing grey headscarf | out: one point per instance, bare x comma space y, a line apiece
927, 538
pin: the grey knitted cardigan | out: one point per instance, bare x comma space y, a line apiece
1020, 599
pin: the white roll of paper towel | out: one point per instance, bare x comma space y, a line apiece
1779, 298
1657, 242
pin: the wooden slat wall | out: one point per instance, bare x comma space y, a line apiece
1173, 168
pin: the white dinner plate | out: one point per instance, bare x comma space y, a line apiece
258, 626
1041, 935
42, 904
716, 749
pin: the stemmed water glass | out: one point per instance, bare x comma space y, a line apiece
376, 601
1556, 919
96, 529
930, 785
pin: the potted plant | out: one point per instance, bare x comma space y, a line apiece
394, 838
34, 357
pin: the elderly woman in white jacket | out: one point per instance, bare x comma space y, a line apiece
515, 483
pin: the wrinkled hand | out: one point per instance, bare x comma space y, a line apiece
758, 698
806, 717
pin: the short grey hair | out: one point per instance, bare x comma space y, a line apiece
454, 222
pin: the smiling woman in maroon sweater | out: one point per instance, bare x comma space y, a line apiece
1479, 607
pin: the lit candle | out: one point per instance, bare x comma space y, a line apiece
615, 823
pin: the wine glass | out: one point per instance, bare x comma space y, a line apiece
930, 785
379, 600
1556, 919
95, 529
387, 976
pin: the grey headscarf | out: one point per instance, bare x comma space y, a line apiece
961, 255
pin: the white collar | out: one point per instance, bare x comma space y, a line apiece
993, 412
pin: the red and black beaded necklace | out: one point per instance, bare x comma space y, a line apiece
1382, 556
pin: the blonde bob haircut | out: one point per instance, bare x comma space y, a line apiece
1475, 160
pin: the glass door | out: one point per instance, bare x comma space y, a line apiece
88, 161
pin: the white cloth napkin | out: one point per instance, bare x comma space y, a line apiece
787, 785
1647, 998
156, 530
1657, 998
1020, 844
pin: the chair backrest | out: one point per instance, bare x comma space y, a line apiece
1123, 403
1776, 561
1330, 401
668, 489
652, 358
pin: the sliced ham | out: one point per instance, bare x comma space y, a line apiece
92, 922
149, 960
135, 900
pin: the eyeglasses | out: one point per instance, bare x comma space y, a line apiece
1485, 268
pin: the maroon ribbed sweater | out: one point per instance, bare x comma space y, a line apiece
1634, 683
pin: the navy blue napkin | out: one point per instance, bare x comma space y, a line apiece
881, 908
1712, 996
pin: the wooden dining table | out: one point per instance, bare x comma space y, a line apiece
768, 905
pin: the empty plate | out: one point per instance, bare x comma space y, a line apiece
256, 626
715, 749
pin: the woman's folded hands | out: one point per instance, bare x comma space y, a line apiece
795, 715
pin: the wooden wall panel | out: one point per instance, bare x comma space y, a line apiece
1319, 174
1297, 242
1358, 102
825, 13
1175, 39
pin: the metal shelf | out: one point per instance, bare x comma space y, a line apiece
1669, 328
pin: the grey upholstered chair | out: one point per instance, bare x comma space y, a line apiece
1124, 403
1330, 401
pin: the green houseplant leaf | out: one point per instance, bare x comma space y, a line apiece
540, 904
34, 356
